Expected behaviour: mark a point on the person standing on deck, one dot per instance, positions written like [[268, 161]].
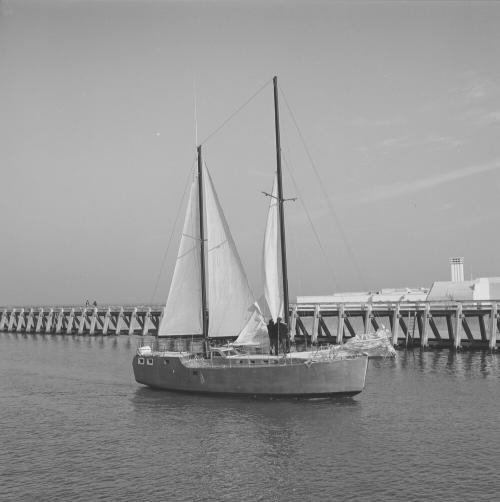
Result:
[[283, 336], [273, 342]]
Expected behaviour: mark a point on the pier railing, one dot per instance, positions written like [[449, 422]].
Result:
[[455, 324]]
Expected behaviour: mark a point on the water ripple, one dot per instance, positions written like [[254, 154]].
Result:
[[75, 426]]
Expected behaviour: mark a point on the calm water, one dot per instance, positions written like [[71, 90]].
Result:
[[76, 426]]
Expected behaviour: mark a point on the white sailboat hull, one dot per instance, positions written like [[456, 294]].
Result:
[[259, 377]]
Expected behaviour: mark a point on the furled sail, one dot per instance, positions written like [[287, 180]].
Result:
[[183, 312], [231, 304], [272, 290]]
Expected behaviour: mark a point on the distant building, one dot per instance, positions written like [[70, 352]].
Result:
[[384, 295], [484, 288]]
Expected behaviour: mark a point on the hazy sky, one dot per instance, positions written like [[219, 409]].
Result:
[[398, 104]]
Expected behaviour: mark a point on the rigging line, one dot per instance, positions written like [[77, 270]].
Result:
[[181, 203], [292, 236], [238, 110], [316, 235], [325, 194], [195, 115]]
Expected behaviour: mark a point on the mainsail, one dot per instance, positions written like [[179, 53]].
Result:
[[183, 312], [231, 305], [272, 291]]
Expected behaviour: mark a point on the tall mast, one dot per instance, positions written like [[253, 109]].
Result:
[[280, 202], [202, 246]]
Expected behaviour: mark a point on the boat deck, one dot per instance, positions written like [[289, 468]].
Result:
[[191, 360]]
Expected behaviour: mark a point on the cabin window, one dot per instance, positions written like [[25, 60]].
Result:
[[140, 360], [150, 361]]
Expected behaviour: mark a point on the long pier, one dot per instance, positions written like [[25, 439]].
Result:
[[82, 320], [454, 324]]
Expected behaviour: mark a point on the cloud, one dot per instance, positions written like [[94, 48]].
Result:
[[366, 122], [402, 188], [405, 142], [476, 91], [446, 141], [477, 87], [485, 118], [394, 143]]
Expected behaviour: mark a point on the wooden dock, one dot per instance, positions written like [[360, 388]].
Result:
[[455, 324]]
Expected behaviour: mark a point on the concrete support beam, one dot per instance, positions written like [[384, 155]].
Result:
[[12, 320], [107, 318], [145, 327], [367, 317], [449, 325], [323, 328], [30, 321], [340, 325], [93, 320], [71, 320], [48, 322], [458, 327], [60, 319], [434, 328], [20, 321], [349, 327], [466, 327], [4, 320], [133, 316], [83, 317], [424, 343], [395, 325], [293, 323], [39, 321], [482, 328], [420, 324], [315, 328], [493, 325], [119, 321], [301, 327]]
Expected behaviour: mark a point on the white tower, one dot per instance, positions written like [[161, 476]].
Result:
[[457, 269]]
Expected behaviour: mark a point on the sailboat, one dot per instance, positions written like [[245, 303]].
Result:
[[210, 300]]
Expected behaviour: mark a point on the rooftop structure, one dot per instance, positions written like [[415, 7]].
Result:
[[457, 269], [384, 295]]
